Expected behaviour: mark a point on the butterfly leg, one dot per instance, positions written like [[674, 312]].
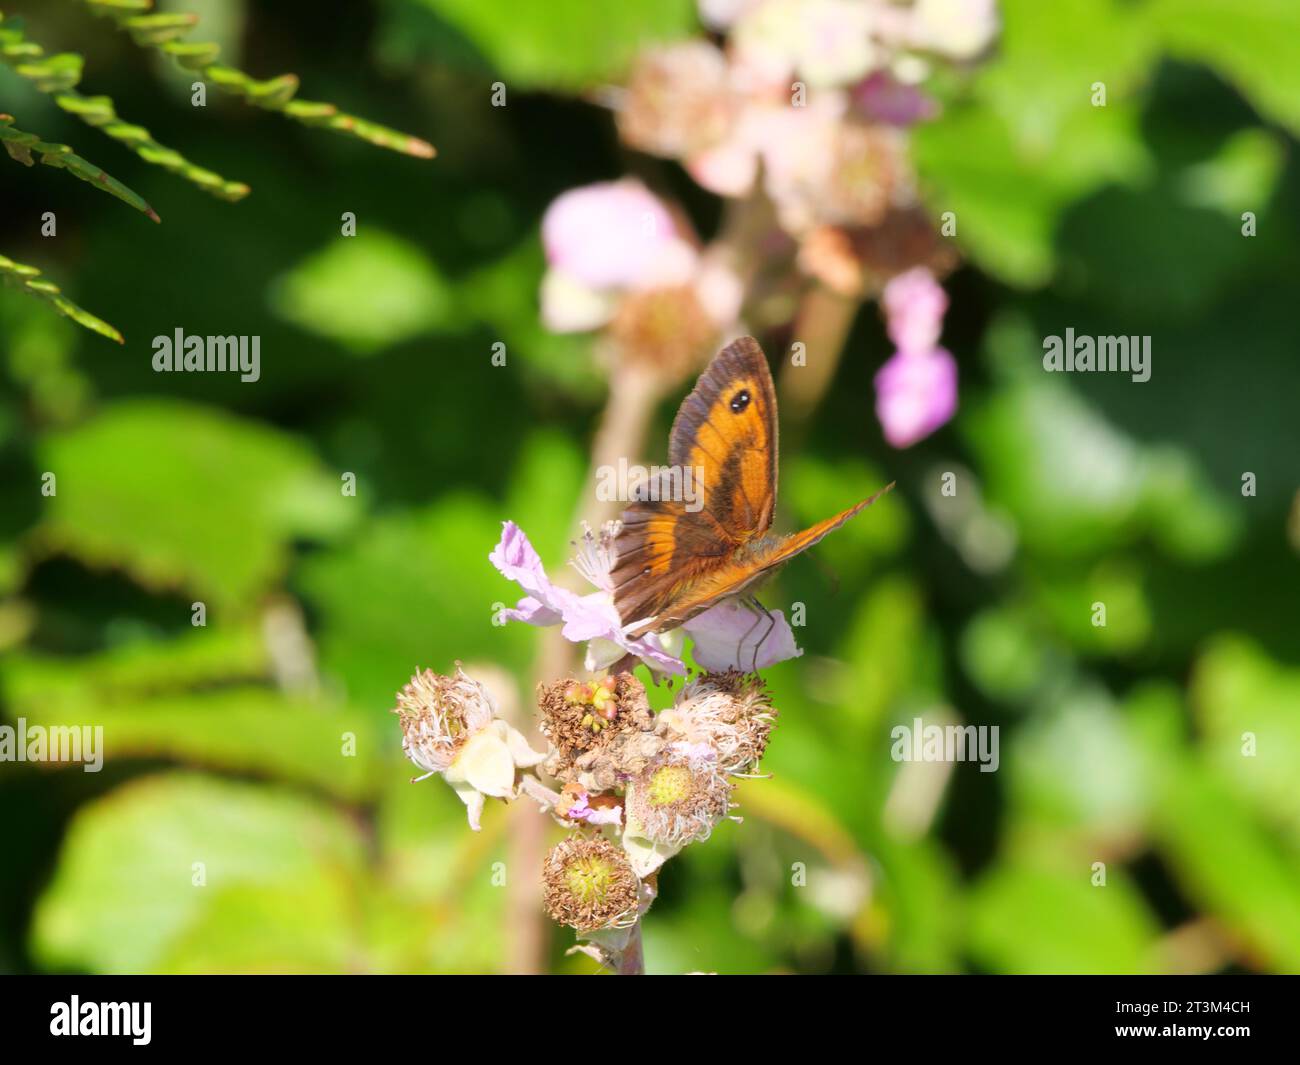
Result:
[[761, 610], [754, 607]]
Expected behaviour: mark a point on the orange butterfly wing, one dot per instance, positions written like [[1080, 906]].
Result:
[[674, 561], [745, 569], [726, 432]]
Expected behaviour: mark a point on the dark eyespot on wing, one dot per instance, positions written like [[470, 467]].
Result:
[[740, 401]]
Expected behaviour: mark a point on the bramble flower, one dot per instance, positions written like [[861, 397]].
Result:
[[593, 751], [728, 713], [589, 619], [823, 42], [676, 800], [615, 235], [592, 618], [450, 727], [577, 716], [960, 29], [916, 388], [588, 884], [603, 242], [669, 329], [678, 99], [618, 257]]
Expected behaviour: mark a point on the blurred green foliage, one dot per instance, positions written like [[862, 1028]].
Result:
[[288, 799]]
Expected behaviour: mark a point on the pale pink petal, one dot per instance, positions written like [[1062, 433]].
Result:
[[728, 635], [588, 619]]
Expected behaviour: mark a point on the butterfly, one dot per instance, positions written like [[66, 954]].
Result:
[[676, 558]]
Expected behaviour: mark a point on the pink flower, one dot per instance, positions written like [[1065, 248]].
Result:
[[589, 619], [615, 234], [603, 241], [914, 304], [916, 389], [916, 392], [725, 636]]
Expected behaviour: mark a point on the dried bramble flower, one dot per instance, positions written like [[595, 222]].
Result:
[[870, 174], [589, 884], [678, 100], [674, 801], [730, 713], [580, 717], [667, 329], [449, 726]]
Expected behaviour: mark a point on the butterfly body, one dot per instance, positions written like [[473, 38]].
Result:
[[674, 559]]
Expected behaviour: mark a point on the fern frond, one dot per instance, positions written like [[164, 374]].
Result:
[[164, 33], [59, 75], [20, 146], [29, 279]]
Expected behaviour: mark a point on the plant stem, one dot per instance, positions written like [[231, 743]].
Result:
[[633, 392]]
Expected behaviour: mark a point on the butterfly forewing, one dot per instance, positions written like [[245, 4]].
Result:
[[724, 439], [678, 556], [734, 576]]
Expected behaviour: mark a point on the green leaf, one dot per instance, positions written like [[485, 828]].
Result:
[[1246, 706], [1230, 866], [1026, 919], [366, 292], [565, 44], [969, 159], [1078, 766], [1076, 483], [240, 728], [1048, 142], [1254, 44], [504, 294], [429, 596], [247, 490], [123, 898]]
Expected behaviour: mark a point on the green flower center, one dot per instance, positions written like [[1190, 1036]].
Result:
[[589, 880], [670, 784]]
